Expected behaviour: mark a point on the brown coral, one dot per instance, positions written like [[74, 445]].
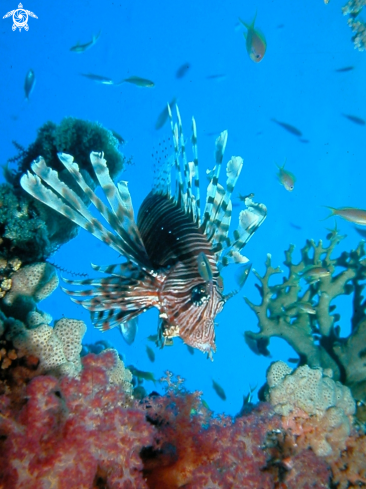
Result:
[[303, 317]]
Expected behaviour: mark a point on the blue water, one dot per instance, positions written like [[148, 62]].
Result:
[[296, 82]]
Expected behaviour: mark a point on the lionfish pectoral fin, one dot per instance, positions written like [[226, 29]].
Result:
[[64, 200]]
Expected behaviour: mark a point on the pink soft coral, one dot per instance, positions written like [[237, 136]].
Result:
[[74, 433]]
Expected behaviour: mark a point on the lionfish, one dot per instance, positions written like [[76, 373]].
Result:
[[173, 253]]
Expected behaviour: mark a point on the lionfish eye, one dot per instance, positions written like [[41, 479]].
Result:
[[199, 295]]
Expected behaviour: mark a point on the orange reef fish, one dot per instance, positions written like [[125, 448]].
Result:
[[255, 42], [314, 274], [167, 250], [286, 178], [351, 214]]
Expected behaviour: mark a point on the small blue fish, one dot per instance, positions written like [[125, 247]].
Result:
[[98, 78], [182, 70], [219, 390], [128, 330], [343, 70], [288, 127], [218, 77], [80, 48], [355, 119], [138, 81], [248, 399], [30, 81], [141, 374], [164, 114], [150, 353], [204, 267], [242, 272]]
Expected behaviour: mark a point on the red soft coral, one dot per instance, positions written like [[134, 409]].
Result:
[[74, 433]]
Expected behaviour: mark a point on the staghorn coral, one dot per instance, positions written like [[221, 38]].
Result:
[[27, 286], [311, 395], [303, 317]]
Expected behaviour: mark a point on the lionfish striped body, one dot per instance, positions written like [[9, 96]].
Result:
[[164, 249]]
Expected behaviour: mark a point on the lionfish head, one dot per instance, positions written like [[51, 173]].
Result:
[[189, 307]]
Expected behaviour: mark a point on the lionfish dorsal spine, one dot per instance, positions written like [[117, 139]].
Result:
[[178, 180], [185, 172], [222, 217], [196, 172], [220, 145]]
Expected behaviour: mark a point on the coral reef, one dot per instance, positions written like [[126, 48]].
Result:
[[73, 432], [30, 230], [353, 8], [23, 233], [312, 395], [26, 287], [72, 136], [304, 318], [58, 348], [317, 413], [87, 431]]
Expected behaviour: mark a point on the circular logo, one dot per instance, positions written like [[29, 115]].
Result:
[[20, 19]]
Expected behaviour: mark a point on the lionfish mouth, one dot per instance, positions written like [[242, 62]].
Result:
[[173, 253]]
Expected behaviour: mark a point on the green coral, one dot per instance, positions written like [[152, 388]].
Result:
[[303, 316]]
